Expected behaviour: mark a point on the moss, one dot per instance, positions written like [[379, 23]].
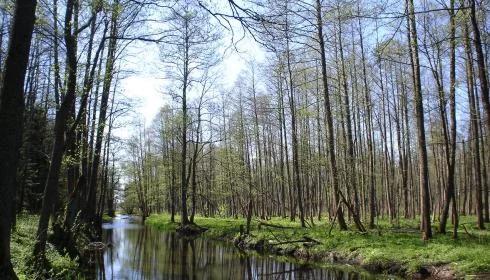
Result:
[[22, 245], [106, 218], [392, 248]]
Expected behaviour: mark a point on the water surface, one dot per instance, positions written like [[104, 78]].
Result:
[[138, 252]]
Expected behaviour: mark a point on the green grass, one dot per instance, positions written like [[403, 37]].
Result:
[[386, 245], [22, 244], [106, 218]]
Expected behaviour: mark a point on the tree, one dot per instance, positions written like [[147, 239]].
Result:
[[419, 116], [62, 115], [485, 95], [106, 88], [11, 121], [331, 146], [451, 147], [189, 52]]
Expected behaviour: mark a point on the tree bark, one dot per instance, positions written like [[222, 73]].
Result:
[[419, 116], [451, 147], [482, 74], [11, 121], [89, 211], [369, 124], [328, 113], [62, 115], [183, 156]]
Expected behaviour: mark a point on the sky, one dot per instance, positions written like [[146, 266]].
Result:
[[144, 81]]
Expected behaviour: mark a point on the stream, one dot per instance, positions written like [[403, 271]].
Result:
[[138, 252]]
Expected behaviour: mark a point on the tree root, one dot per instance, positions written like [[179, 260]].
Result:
[[262, 223], [190, 229], [305, 239]]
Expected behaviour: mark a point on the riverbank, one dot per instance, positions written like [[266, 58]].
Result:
[[388, 249], [22, 246]]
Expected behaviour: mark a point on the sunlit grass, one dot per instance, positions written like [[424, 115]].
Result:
[[22, 245]]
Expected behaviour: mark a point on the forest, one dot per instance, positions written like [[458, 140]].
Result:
[[350, 119]]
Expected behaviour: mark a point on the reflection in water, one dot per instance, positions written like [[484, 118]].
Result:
[[139, 252]]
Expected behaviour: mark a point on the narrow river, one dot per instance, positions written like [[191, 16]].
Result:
[[137, 252]]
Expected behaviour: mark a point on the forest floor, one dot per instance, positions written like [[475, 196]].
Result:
[[392, 249], [22, 246]]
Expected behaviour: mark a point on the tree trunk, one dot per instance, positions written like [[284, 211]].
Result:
[[369, 132], [451, 153], [11, 118], [480, 59], [90, 211], [419, 115], [62, 115], [328, 112], [183, 156]]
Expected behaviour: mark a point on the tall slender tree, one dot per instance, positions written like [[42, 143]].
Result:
[[419, 116]]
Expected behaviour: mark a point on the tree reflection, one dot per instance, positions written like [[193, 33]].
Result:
[[139, 252]]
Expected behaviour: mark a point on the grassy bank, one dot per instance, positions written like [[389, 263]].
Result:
[[393, 249], [22, 245]]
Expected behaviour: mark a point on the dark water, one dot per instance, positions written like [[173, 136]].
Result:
[[141, 252]]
